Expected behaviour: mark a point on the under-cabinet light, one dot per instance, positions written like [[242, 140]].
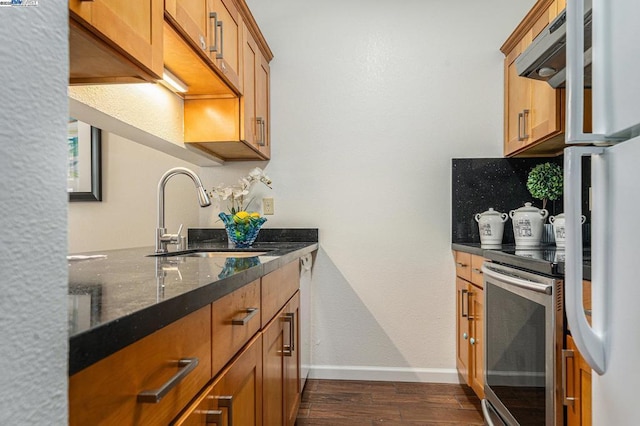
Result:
[[174, 82]]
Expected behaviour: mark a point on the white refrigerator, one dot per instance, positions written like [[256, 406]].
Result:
[[612, 345]]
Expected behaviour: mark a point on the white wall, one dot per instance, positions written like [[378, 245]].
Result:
[[370, 101], [127, 216], [33, 207]]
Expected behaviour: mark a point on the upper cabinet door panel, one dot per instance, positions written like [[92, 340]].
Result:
[[133, 28], [225, 34]]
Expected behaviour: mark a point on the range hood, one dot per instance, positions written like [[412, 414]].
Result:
[[545, 58]]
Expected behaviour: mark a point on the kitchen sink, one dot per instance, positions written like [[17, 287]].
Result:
[[214, 253]]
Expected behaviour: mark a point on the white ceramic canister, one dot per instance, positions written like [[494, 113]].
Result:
[[558, 222], [491, 226], [528, 222]]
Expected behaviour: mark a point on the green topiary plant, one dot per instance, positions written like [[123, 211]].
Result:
[[545, 182]]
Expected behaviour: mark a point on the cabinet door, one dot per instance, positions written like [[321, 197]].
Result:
[[255, 110], [235, 397], [273, 340], [263, 116], [291, 352], [192, 18], [578, 387], [132, 27], [517, 100], [225, 35], [462, 328], [476, 323]]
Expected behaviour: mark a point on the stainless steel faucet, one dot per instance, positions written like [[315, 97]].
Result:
[[162, 238]]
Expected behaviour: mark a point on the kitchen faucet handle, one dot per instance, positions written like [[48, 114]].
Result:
[[181, 240]]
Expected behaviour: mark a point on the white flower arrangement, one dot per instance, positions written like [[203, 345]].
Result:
[[235, 195]]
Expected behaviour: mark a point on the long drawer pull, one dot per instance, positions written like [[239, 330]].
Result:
[[461, 265], [462, 313], [291, 347], [215, 416], [476, 270], [566, 400], [187, 365], [251, 312]]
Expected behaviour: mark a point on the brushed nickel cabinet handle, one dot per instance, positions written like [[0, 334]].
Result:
[[525, 115], [469, 295], [520, 138], [462, 313], [217, 24], [472, 341], [465, 336], [251, 312], [476, 270], [289, 317], [461, 265], [213, 417], [214, 16], [153, 396], [261, 124], [566, 400]]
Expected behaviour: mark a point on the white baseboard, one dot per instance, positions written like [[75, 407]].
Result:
[[387, 374]]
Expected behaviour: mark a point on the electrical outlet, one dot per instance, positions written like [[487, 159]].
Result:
[[267, 206]]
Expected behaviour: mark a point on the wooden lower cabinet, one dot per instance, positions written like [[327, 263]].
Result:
[[281, 366], [470, 321], [578, 387], [107, 393], [235, 396]]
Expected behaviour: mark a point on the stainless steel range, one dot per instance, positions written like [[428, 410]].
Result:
[[523, 347]]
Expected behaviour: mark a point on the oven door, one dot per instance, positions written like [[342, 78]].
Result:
[[523, 340]]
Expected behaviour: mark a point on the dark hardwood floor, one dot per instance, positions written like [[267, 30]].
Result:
[[355, 403]]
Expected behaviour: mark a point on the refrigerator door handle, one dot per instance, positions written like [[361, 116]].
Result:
[[575, 79], [589, 343]]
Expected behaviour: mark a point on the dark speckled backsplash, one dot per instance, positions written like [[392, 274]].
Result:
[[501, 183]]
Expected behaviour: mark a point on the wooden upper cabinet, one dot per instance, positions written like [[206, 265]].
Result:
[[192, 17], [255, 107], [225, 39], [234, 128], [534, 112], [115, 41]]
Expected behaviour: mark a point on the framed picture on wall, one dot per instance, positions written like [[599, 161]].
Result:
[[84, 168]]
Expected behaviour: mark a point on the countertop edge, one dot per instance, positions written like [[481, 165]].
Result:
[[496, 254], [88, 348]]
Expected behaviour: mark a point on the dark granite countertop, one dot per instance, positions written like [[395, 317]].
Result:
[[546, 259], [127, 295]]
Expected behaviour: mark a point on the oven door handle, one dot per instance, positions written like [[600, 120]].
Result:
[[487, 410], [519, 282]]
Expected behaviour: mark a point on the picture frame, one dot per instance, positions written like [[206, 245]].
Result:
[[84, 168]]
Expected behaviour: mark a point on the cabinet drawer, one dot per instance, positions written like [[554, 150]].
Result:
[[235, 397], [235, 319], [107, 392], [277, 288], [463, 265], [476, 270]]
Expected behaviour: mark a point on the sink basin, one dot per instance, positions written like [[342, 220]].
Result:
[[224, 254], [214, 253]]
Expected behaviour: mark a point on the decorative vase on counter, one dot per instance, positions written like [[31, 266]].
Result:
[[528, 222], [242, 232], [558, 222], [491, 226]]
